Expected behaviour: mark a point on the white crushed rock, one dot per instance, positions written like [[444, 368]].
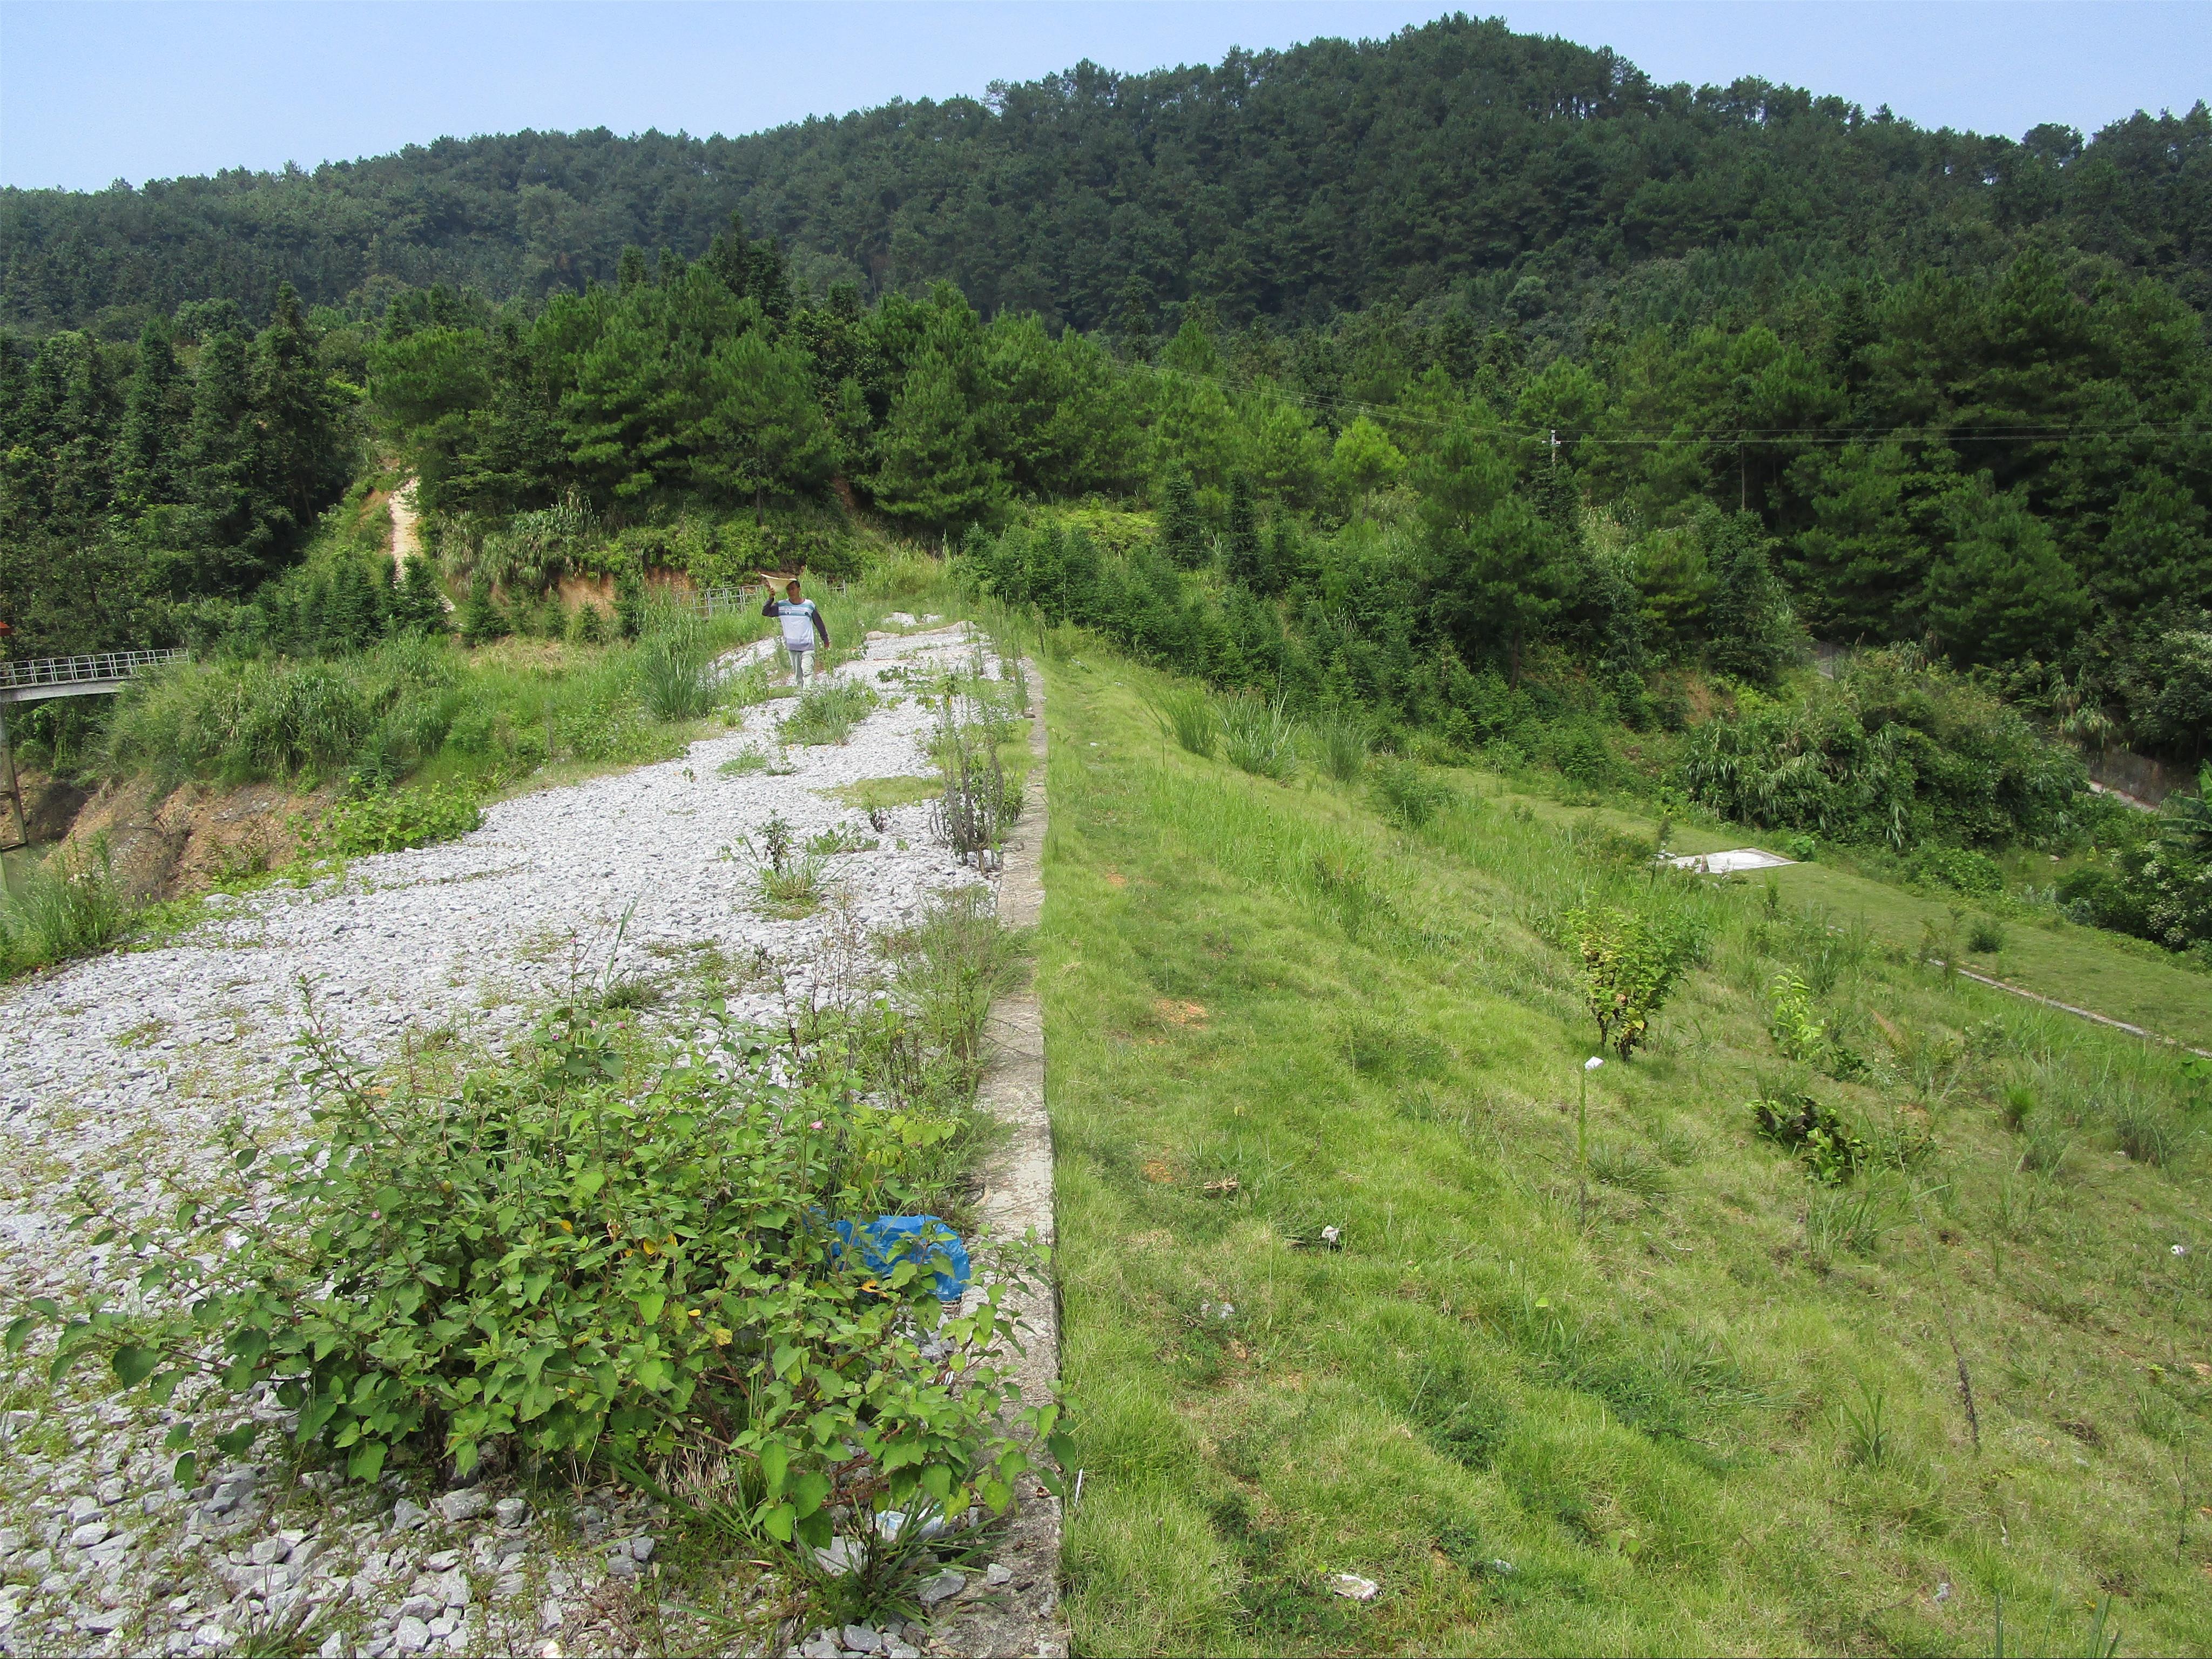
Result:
[[123, 1067]]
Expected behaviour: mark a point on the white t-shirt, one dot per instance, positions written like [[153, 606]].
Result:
[[798, 623]]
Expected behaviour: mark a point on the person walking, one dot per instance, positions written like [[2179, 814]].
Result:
[[802, 625]]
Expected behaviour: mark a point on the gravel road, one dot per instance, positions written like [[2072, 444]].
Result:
[[125, 1066]]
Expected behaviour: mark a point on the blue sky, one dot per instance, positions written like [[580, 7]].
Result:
[[92, 92]]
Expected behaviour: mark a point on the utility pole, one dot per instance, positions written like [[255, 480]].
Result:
[[1555, 449], [15, 788]]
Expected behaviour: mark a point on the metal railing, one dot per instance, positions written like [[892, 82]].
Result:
[[708, 602], [73, 671]]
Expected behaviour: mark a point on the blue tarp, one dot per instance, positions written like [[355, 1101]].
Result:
[[890, 1239]]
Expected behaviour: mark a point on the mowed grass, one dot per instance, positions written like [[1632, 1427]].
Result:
[[1718, 1409]]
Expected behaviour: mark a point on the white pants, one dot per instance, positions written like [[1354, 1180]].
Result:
[[799, 654]]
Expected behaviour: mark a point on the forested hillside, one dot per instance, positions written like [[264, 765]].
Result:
[[1909, 396], [1528, 177]]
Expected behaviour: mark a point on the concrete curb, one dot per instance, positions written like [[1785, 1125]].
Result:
[[1023, 1618]]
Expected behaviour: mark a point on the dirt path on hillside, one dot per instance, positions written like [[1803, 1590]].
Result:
[[404, 545]]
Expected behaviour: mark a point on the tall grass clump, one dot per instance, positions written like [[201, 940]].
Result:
[[950, 967], [1340, 745], [419, 708], [676, 679], [68, 905], [1187, 715], [241, 721], [1258, 737]]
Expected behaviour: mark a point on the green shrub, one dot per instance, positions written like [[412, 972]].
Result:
[[607, 1247], [1985, 934], [391, 821], [1959, 869], [1815, 1133], [2160, 887], [1258, 737], [1629, 964], [1892, 751], [1797, 1032], [1407, 793]]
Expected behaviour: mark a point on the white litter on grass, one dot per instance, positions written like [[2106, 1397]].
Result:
[[1727, 863], [1352, 1585]]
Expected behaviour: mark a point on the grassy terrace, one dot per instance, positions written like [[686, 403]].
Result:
[[1714, 1407]]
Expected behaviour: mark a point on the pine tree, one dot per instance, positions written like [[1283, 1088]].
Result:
[[630, 604], [1617, 608], [1245, 554], [482, 620], [1183, 538], [155, 408], [1283, 565], [934, 472], [588, 624], [344, 625], [418, 607], [222, 465], [301, 467], [310, 619], [1559, 500], [1754, 630], [764, 428]]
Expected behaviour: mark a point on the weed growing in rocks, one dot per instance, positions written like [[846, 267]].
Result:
[[392, 820], [611, 1246], [979, 801], [787, 880], [827, 713]]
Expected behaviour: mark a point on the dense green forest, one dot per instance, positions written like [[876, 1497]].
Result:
[[1523, 177], [1904, 397]]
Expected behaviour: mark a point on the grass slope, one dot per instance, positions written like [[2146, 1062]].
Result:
[[1720, 1413], [2125, 978]]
